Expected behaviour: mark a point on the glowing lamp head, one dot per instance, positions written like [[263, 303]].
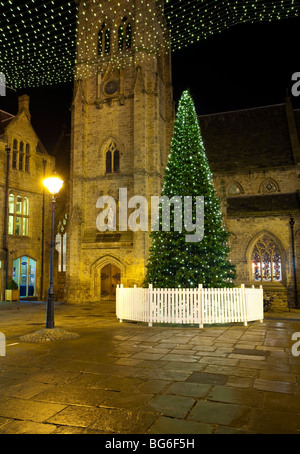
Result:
[[53, 184]]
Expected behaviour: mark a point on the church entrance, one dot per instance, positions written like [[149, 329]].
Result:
[[110, 278]]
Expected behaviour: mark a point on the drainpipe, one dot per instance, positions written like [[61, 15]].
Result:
[[292, 223], [6, 216]]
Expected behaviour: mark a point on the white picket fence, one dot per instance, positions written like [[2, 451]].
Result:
[[196, 306]]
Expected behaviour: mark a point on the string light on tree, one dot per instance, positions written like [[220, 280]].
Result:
[[174, 262]]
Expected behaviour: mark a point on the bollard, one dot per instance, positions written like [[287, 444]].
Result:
[[2, 345]]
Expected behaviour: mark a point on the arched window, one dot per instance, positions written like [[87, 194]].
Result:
[[266, 261], [125, 35], [269, 185], [104, 40], [112, 158], [235, 189]]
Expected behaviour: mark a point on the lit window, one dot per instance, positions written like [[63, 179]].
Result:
[[18, 215], [266, 261]]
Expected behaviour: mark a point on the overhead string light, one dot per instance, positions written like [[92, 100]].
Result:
[[38, 38]]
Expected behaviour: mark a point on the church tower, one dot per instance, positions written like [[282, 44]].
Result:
[[122, 123]]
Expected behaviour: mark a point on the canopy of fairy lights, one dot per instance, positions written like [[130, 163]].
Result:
[[38, 38]]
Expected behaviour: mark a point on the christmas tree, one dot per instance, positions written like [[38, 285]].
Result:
[[173, 261]]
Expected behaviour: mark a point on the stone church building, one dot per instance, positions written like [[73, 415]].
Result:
[[122, 120]]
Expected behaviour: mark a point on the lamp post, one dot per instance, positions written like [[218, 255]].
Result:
[[54, 185]]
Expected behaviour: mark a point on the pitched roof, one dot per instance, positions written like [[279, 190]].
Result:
[[253, 138], [5, 119]]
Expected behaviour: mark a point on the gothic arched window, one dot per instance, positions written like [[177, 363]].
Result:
[[266, 261], [112, 158], [125, 35], [104, 40], [235, 189]]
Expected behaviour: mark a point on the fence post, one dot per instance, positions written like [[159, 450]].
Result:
[[261, 288], [120, 305], [244, 304], [150, 304], [2, 345], [200, 299]]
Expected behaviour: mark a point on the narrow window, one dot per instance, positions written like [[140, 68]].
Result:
[[108, 162], [104, 40], [21, 156], [11, 212], [15, 154], [27, 157], [124, 35], [116, 161]]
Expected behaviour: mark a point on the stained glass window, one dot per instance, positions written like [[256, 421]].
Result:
[[266, 261]]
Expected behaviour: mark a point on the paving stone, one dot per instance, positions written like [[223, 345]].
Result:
[[29, 410], [128, 400], [27, 428], [207, 378], [220, 413], [248, 397], [196, 390], [169, 405], [165, 425], [282, 402], [273, 385], [274, 422]]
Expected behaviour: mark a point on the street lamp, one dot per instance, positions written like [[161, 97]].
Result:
[[54, 185]]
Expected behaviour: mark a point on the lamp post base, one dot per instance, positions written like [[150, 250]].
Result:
[[49, 335]]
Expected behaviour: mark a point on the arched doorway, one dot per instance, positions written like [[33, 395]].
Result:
[[24, 274], [110, 278]]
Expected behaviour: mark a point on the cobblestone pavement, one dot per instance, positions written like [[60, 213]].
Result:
[[131, 379]]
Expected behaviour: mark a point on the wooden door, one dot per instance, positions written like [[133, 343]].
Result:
[[110, 278]]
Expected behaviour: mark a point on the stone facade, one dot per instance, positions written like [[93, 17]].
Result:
[[122, 116], [254, 156], [23, 164], [122, 121]]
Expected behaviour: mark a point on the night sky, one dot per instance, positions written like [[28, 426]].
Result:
[[248, 65]]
